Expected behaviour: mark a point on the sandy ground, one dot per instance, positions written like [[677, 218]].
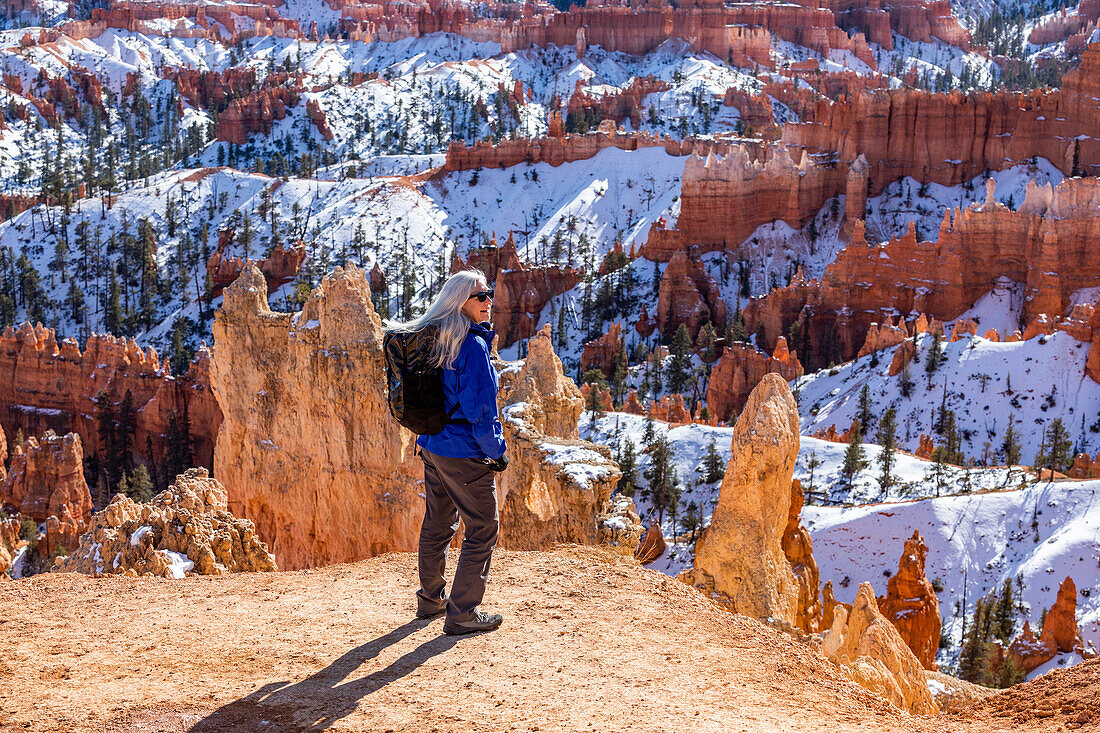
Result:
[[589, 643]]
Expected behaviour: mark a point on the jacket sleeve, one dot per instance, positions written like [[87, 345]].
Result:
[[477, 395]]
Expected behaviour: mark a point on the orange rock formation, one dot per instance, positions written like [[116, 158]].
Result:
[[687, 295], [184, 530], [1045, 244], [740, 560], [798, 548], [911, 603], [740, 369], [869, 649], [46, 484]]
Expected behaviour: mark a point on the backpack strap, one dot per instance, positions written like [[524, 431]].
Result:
[[456, 421]]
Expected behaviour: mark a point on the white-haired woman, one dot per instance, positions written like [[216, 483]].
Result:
[[460, 460]]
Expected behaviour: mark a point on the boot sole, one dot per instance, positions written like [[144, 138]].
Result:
[[462, 630]]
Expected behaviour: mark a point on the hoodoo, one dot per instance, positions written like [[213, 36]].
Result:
[[739, 560]]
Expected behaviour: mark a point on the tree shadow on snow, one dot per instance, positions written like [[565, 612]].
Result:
[[320, 700]]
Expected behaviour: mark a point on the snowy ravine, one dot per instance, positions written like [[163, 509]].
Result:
[[1040, 533]]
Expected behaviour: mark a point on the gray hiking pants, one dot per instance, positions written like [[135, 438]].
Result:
[[453, 488]]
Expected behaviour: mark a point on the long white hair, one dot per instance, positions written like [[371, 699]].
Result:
[[445, 313]]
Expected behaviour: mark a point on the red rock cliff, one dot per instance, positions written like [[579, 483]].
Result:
[[46, 385]]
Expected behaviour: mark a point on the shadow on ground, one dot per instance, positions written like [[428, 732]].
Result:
[[321, 699]]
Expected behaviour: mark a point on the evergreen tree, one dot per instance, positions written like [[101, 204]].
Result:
[[812, 464], [628, 464], [1060, 447], [972, 656], [137, 485], [887, 438], [937, 472], [714, 468], [124, 434], [596, 382], [864, 415], [935, 355], [680, 363], [1010, 446], [663, 490], [1003, 622], [106, 428], [854, 458]]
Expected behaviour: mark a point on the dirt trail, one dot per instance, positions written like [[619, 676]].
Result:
[[587, 644]]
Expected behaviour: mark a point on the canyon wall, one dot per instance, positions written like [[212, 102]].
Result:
[[47, 385], [308, 450], [1048, 244]]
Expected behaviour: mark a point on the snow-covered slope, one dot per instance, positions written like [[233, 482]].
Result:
[[986, 383], [1037, 536], [1000, 524]]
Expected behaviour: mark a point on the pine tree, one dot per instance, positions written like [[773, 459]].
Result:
[[596, 384], [1010, 446], [680, 362], [887, 439], [854, 458], [1060, 452], [935, 355], [937, 472], [812, 464], [663, 490], [864, 415], [972, 656], [138, 485], [106, 429], [1003, 622], [714, 468], [127, 422], [628, 464]]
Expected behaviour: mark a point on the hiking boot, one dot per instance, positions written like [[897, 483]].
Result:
[[480, 622]]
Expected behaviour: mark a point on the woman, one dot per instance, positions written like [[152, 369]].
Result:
[[460, 460]]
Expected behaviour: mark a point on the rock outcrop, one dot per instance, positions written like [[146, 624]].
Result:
[[522, 291], [652, 546], [911, 604], [1059, 632], [867, 647], [184, 530], [687, 295], [307, 447], [740, 369], [1060, 625], [739, 560], [603, 352], [799, 550], [557, 487], [46, 484], [1044, 244], [310, 453]]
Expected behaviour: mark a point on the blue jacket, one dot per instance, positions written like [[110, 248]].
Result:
[[472, 385]]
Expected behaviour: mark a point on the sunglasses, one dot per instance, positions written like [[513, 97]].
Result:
[[483, 296]]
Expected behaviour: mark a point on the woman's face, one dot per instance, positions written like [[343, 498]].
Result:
[[475, 310]]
